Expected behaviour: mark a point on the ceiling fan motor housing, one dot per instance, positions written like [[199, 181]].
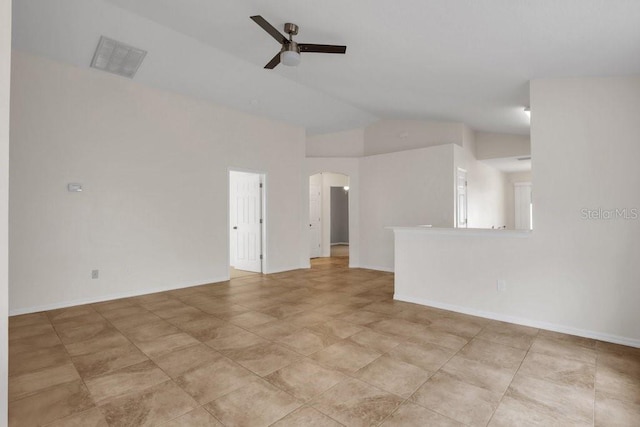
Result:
[[291, 29]]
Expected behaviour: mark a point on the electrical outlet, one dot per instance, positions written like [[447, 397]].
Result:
[[95, 274], [501, 285]]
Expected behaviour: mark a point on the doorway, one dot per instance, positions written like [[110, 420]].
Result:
[[340, 221], [315, 216], [329, 215], [246, 224]]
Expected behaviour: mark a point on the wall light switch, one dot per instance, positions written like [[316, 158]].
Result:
[[501, 285], [74, 187]]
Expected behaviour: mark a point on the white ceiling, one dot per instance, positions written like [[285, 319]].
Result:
[[458, 60]]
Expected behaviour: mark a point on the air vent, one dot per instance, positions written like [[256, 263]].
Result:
[[117, 58]]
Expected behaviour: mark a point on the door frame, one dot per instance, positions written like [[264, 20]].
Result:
[[466, 198], [263, 229], [319, 249]]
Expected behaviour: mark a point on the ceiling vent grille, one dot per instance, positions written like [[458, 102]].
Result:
[[117, 58]]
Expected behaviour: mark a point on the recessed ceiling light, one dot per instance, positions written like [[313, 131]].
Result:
[[117, 58]]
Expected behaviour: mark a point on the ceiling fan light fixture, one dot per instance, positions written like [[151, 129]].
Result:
[[290, 58], [290, 52]]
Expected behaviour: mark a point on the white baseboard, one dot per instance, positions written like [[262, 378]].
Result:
[[378, 268], [109, 297], [616, 339]]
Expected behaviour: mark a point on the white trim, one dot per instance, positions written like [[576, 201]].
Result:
[[462, 232], [616, 339], [378, 268], [82, 301]]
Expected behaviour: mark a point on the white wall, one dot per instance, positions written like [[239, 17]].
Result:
[[405, 188], [573, 275], [388, 136], [485, 191], [500, 145], [154, 166], [396, 136], [349, 143], [5, 83], [469, 140], [351, 168], [509, 196]]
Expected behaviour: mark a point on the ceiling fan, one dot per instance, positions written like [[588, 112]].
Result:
[[290, 52]]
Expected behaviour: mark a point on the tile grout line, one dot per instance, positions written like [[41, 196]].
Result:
[[438, 370], [258, 377], [74, 366], [405, 341], [178, 349], [138, 305], [149, 359], [332, 317], [512, 378]]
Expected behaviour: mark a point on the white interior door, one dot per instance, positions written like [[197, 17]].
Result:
[[523, 206], [315, 209], [246, 221], [461, 198]]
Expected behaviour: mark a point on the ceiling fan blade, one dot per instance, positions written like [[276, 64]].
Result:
[[280, 38], [275, 61], [321, 48]]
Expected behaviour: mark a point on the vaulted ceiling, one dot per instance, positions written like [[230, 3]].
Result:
[[458, 60]]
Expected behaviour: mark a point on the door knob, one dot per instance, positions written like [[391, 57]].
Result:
[[235, 227]]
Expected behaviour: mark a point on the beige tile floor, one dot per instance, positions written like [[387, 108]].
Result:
[[236, 274], [320, 347]]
